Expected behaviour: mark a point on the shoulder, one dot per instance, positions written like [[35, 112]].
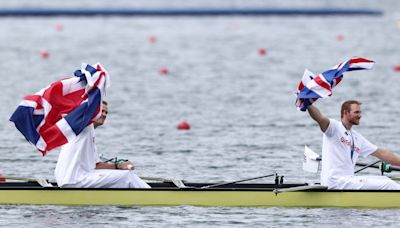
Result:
[[332, 127], [358, 134], [89, 129], [87, 133], [333, 121], [355, 132]]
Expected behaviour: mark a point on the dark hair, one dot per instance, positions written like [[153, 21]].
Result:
[[346, 106], [105, 102]]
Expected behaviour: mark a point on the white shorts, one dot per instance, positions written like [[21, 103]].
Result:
[[108, 178], [365, 183]]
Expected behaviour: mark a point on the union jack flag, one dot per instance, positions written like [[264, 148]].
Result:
[[58, 113], [312, 86]]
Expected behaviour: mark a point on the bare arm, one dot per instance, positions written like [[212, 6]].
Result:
[[387, 156], [108, 165], [316, 115]]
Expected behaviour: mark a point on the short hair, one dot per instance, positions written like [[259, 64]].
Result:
[[105, 102], [346, 106]]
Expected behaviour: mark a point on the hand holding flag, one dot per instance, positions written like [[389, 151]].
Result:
[[312, 86]]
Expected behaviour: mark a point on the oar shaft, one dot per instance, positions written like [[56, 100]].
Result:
[[367, 166], [393, 168], [238, 181]]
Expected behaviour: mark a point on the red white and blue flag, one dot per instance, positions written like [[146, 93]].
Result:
[[312, 86], [58, 113]]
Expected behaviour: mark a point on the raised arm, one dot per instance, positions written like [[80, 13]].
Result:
[[387, 156], [316, 115]]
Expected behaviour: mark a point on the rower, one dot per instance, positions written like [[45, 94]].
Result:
[[341, 147], [79, 165]]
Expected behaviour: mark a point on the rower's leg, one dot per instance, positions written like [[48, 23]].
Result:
[[104, 178], [371, 183]]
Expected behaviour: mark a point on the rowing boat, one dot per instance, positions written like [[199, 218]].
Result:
[[200, 194]]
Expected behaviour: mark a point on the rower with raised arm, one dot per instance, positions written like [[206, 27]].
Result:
[[342, 145]]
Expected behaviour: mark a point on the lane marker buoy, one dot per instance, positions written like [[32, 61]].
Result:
[[44, 54], [183, 126]]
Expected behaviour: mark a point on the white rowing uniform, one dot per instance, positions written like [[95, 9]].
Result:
[[76, 166], [340, 150]]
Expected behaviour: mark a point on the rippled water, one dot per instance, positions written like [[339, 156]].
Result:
[[187, 216], [240, 104]]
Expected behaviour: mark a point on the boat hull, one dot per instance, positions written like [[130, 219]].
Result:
[[239, 197]]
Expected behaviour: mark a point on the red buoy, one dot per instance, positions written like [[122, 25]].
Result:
[[339, 37], [152, 39], [163, 70], [396, 68], [183, 126], [262, 51], [2, 179], [44, 54], [59, 27]]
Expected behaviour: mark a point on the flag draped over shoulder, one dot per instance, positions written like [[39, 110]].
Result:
[[58, 113], [312, 86]]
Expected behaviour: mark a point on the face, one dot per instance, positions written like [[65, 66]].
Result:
[[100, 121], [354, 115]]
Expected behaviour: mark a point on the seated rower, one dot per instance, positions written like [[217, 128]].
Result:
[[341, 147], [79, 165]]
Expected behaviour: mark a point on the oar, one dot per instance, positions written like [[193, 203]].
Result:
[[41, 182], [238, 181], [366, 166], [393, 168]]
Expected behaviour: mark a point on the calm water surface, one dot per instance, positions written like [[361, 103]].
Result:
[[240, 104]]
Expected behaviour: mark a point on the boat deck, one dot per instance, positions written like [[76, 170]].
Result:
[[156, 186]]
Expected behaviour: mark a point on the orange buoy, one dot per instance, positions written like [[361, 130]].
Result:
[[396, 68], [262, 51], [152, 39], [163, 70], [44, 54], [339, 37], [183, 126]]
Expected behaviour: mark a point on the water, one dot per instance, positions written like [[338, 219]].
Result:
[[188, 216], [240, 104]]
